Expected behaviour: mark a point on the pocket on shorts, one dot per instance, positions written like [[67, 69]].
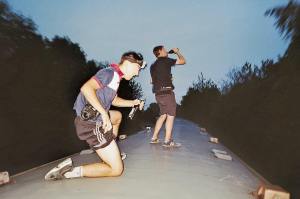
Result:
[[84, 129]]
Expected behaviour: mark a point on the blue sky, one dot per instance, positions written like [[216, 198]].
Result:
[[213, 35]]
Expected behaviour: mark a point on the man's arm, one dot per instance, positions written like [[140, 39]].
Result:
[[181, 59], [120, 102], [89, 92]]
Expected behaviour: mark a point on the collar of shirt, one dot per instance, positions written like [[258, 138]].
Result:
[[117, 69]]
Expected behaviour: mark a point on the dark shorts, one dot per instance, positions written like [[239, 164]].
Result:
[[93, 134], [167, 103]]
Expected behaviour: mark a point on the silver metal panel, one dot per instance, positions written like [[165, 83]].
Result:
[[151, 171]]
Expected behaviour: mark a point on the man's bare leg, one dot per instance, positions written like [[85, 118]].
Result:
[[160, 121], [112, 166], [115, 118], [169, 127]]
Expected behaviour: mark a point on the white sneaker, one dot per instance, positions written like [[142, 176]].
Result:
[[171, 143], [154, 141], [123, 155], [57, 173], [87, 152]]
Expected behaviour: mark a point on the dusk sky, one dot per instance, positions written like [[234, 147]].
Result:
[[213, 35]]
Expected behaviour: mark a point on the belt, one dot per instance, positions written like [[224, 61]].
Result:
[[164, 90]]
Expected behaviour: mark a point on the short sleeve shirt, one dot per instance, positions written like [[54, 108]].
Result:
[[109, 81], [161, 73]]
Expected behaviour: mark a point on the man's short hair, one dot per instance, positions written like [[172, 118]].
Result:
[[133, 57], [156, 50]]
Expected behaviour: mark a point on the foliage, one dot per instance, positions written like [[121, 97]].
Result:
[[39, 80], [256, 112]]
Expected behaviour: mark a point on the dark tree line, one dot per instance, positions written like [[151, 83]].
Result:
[[39, 81], [256, 112]]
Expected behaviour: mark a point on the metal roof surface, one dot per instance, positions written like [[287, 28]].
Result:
[[151, 171]]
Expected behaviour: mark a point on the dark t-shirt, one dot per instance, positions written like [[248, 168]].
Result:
[[161, 73]]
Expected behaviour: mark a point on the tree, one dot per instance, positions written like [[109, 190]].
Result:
[[288, 23], [39, 81], [287, 19]]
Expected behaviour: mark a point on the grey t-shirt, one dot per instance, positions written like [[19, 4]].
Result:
[[108, 80]]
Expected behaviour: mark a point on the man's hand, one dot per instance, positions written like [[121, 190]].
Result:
[[176, 50], [106, 125], [181, 59], [141, 103]]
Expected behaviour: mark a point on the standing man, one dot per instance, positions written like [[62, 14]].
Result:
[[96, 124], [163, 88]]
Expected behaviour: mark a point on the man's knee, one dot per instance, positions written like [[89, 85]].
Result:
[[118, 116], [170, 116], [117, 170], [163, 116]]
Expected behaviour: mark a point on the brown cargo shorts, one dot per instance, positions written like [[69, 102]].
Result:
[[93, 133], [167, 103]]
